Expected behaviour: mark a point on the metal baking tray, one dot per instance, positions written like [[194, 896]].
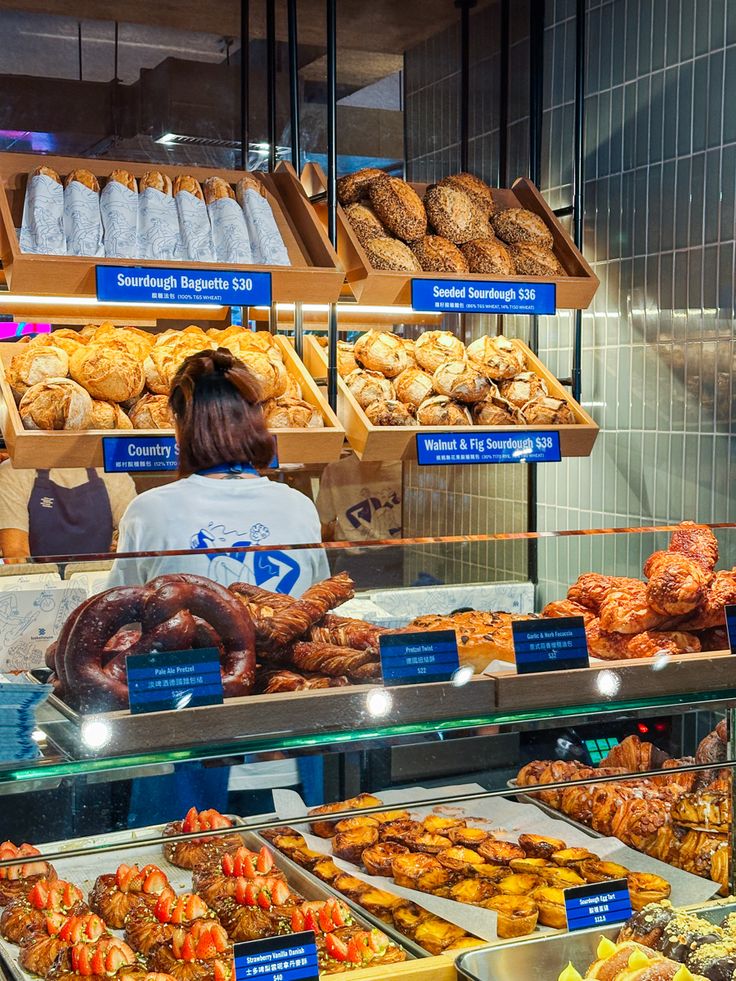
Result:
[[545, 957], [412, 948], [526, 797]]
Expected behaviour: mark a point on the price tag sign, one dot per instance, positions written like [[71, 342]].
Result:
[[478, 296], [597, 904], [428, 655], [550, 644], [165, 680], [289, 958], [139, 454], [446, 448], [221, 287], [731, 627]]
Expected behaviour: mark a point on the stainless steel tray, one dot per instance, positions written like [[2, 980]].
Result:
[[544, 957], [527, 797]]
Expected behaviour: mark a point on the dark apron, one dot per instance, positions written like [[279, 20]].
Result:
[[69, 520]]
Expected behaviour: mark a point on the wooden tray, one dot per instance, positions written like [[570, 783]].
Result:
[[398, 443], [43, 450], [315, 275], [375, 286]]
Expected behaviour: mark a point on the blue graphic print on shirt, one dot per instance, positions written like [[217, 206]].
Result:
[[364, 511], [274, 570]]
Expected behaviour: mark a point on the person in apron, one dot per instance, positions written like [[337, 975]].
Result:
[[69, 520]]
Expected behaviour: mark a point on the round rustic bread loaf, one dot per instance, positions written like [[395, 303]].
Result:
[[434, 347], [454, 216], [34, 363], [413, 386], [369, 386], [353, 187], [548, 411], [495, 411], [289, 413], [57, 403], [535, 260], [152, 412], [108, 415], [272, 376], [524, 388], [489, 256], [399, 207], [109, 373], [498, 356], [364, 221], [477, 190], [520, 225], [389, 412], [443, 411], [391, 254], [461, 380], [345, 359], [437, 254], [378, 350], [67, 340]]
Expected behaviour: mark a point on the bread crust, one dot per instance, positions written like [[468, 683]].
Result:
[[477, 190], [399, 208], [125, 178], [531, 259], [157, 180], [82, 176], [438, 254], [516, 225], [488, 256]]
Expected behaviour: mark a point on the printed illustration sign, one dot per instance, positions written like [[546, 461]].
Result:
[[731, 627], [488, 447], [473, 296], [139, 454], [429, 655], [130, 284], [166, 680], [289, 958], [550, 644], [597, 904]]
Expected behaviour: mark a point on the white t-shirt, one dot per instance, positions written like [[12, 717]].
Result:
[[203, 512]]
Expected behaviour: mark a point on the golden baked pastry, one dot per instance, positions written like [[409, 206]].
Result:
[[390, 254], [216, 188], [85, 177], [364, 221], [420, 871], [46, 172], [345, 359], [350, 885], [459, 859], [523, 388], [443, 411], [350, 844], [571, 856], [495, 411], [400, 830], [436, 935], [500, 357], [519, 884], [625, 609], [697, 542], [123, 177], [521, 225], [399, 207], [516, 916], [437, 824], [532, 866], [535, 260], [410, 352], [326, 870], [350, 824], [488, 256], [496, 852], [435, 347], [35, 363], [355, 186], [454, 216], [152, 412], [269, 372], [369, 386], [380, 903], [156, 180], [467, 837], [540, 846], [408, 917], [429, 843], [548, 411], [461, 380], [326, 828], [57, 403], [285, 412], [108, 415], [111, 374], [566, 608], [494, 873], [645, 888], [705, 810], [413, 386], [378, 858], [550, 902], [135, 342], [677, 584], [67, 340], [438, 254], [477, 190], [389, 412], [186, 183], [560, 877], [248, 182], [379, 350], [596, 870], [472, 891]]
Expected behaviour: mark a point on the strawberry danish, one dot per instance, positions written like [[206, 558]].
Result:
[[194, 851], [115, 896], [146, 927], [258, 908], [202, 953], [38, 953], [17, 880], [215, 879], [27, 914], [99, 961]]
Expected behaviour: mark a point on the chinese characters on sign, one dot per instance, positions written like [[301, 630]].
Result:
[[164, 680], [477, 296], [128, 284], [550, 644], [426, 656], [597, 904], [288, 958], [511, 447]]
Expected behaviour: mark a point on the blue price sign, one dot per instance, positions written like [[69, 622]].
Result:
[[139, 454], [423, 656], [225, 287], [164, 680], [289, 958], [488, 447], [476, 296], [597, 904], [731, 627], [550, 644]]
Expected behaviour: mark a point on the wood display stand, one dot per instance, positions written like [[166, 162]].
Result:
[[46, 449], [398, 443], [315, 275], [379, 287]]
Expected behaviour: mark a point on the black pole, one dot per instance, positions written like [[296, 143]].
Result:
[[503, 119], [465, 7], [296, 156], [271, 76], [578, 179], [244, 80], [79, 48], [332, 188]]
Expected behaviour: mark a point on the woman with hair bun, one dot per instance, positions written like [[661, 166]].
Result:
[[220, 500]]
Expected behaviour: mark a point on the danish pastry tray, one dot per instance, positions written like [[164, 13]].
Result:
[[368, 285], [314, 276], [398, 442], [45, 449]]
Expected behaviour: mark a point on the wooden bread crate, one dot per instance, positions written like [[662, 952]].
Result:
[[398, 442], [315, 275], [380, 287], [46, 449]]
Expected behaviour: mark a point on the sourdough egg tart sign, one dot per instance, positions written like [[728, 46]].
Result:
[[597, 904], [473, 296], [225, 287]]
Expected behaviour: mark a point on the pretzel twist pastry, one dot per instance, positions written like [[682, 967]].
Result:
[[177, 612], [329, 659], [346, 632]]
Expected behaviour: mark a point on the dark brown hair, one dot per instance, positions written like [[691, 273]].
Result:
[[215, 401]]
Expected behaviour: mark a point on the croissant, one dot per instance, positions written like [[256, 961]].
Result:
[[697, 542], [635, 756], [329, 659], [590, 590], [606, 646], [625, 609], [677, 584], [568, 608], [649, 643], [608, 800], [638, 820], [720, 593]]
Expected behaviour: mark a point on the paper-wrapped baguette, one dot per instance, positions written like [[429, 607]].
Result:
[[194, 220], [119, 212]]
